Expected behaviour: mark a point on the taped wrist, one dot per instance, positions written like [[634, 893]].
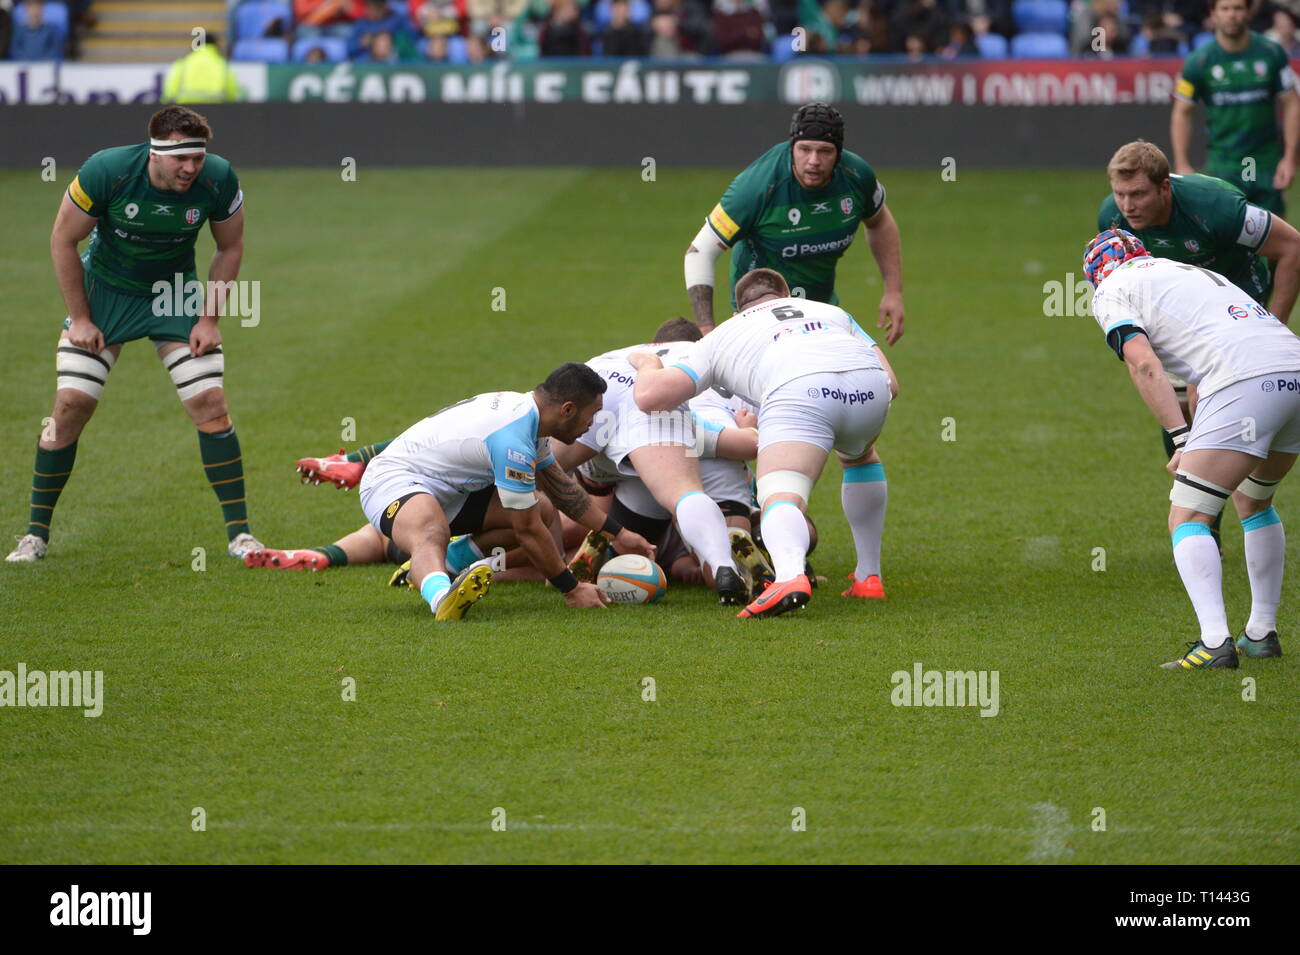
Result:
[[1178, 436]]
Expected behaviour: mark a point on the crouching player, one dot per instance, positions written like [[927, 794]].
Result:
[[1161, 315], [476, 466], [820, 383]]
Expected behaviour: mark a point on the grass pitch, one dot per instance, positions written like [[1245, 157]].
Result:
[[223, 687]]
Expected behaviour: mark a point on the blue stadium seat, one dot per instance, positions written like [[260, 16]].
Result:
[[1041, 16], [1139, 45], [56, 15], [1039, 46], [1202, 38], [335, 47], [261, 50], [457, 49], [992, 46], [638, 12], [253, 17], [783, 48]]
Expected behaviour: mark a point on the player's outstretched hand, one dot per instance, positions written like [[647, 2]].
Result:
[[85, 334], [746, 418], [630, 542], [1172, 466], [586, 595], [204, 336], [891, 316]]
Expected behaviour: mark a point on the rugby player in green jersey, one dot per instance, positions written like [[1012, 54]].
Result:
[[1240, 76], [796, 210], [142, 207]]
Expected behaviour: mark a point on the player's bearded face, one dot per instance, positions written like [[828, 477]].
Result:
[[1141, 201], [814, 162], [178, 172], [1230, 16], [577, 425]]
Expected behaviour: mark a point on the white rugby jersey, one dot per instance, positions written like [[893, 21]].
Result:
[[777, 341], [1203, 328], [619, 378], [473, 444]]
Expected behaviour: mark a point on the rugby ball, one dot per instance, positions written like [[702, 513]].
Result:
[[630, 579]]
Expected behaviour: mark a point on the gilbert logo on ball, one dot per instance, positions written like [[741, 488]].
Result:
[[629, 579]]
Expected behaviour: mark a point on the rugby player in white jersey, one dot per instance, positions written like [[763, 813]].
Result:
[[477, 466], [1161, 315], [726, 437], [661, 450], [820, 384]]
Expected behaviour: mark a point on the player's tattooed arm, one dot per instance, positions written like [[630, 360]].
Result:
[[702, 304], [568, 496]]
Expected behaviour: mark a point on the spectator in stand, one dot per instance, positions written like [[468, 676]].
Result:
[[623, 37], [738, 29], [33, 38], [693, 27], [961, 42], [6, 26], [562, 32], [1088, 17], [380, 48], [380, 18], [842, 23], [861, 45], [436, 50], [1112, 39], [665, 39], [1161, 36], [477, 48], [315, 55], [1283, 31], [438, 17], [486, 15], [925, 20], [784, 15], [873, 24], [326, 17]]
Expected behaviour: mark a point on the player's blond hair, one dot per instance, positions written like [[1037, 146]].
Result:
[[1139, 158], [754, 285]]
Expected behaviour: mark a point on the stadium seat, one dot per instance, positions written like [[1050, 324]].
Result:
[[1202, 38], [992, 46], [457, 49], [335, 47], [1039, 46], [254, 17], [638, 12], [1041, 16], [261, 50], [56, 15], [783, 49], [1139, 45]]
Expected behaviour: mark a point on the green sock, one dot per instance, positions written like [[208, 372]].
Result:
[[49, 475], [363, 455], [224, 466], [337, 555]]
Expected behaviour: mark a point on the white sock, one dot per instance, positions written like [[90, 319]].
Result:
[[434, 587], [704, 530], [1197, 557], [1265, 552], [785, 533], [863, 495]]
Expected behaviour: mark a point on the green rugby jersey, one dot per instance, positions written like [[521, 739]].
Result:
[[1211, 225], [145, 234], [770, 221], [1239, 91]]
